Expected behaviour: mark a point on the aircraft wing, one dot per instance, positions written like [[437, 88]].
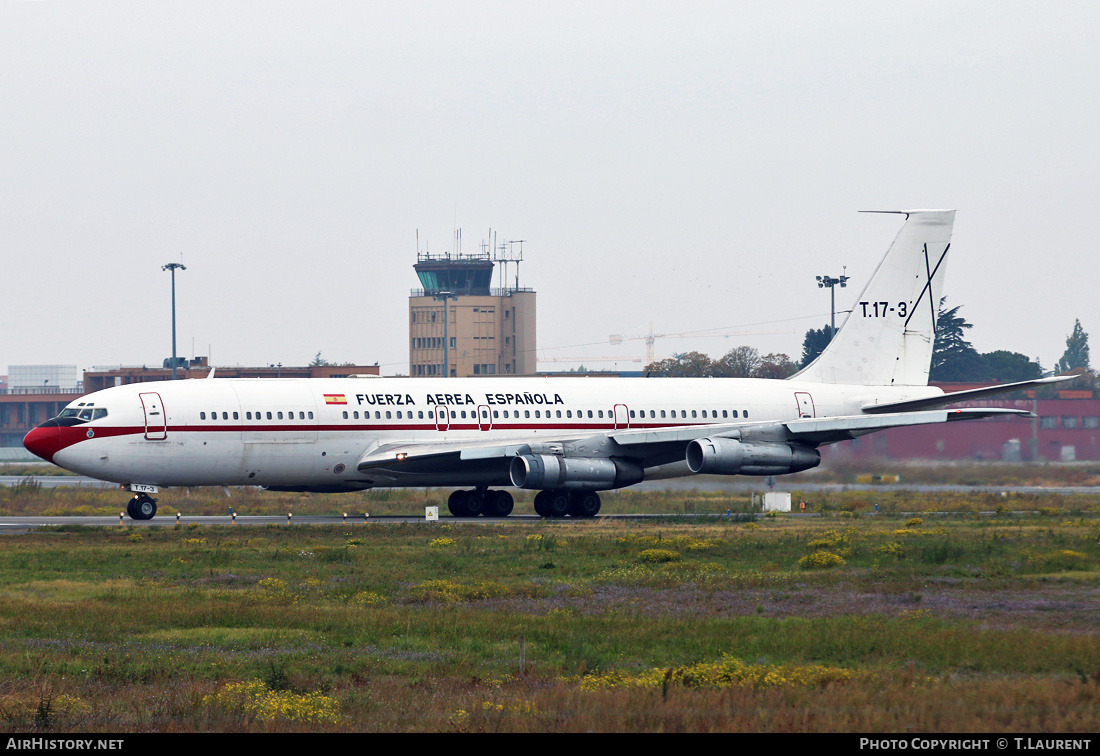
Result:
[[647, 446]]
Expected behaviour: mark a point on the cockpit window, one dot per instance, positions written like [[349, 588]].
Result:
[[82, 413]]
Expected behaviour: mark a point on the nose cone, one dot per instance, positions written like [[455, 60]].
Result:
[[44, 441]]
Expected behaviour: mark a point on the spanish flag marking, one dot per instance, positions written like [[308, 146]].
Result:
[[335, 399]]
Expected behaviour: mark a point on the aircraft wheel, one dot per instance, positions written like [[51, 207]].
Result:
[[498, 503], [131, 508], [456, 504], [542, 502], [584, 504], [145, 507], [475, 503], [558, 503]]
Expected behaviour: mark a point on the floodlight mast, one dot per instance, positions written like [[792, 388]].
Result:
[[827, 282], [172, 268]]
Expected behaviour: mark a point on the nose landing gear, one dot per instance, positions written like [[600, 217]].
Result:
[[142, 507]]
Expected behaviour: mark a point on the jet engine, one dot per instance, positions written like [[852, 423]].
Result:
[[728, 456], [544, 471]]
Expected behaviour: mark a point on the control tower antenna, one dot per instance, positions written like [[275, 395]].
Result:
[[507, 253]]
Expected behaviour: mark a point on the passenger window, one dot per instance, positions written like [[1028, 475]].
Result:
[[355, 415], [662, 413], [302, 416], [202, 416], [569, 413], [527, 413], [248, 416], [388, 415], [599, 413], [281, 415], [683, 413], [693, 413], [496, 413], [225, 416], [704, 413], [537, 415], [653, 413], [735, 414], [632, 413], [420, 415], [345, 414], [744, 413], [724, 414], [236, 416], [377, 415], [558, 413], [398, 414], [269, 415], [590, 413], [310, 415], [453, 415]]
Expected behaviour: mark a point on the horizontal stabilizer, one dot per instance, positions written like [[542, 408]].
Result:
[[961, 396]]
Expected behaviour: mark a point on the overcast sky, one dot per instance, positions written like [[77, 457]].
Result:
[[693, 164]]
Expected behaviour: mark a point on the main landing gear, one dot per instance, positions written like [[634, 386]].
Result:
[[142, 507], [556, 503], [480, 502], [559, 503]]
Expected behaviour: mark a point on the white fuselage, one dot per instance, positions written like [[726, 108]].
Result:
[[313, 432]]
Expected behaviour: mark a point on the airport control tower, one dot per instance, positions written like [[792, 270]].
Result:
[[488, 331]]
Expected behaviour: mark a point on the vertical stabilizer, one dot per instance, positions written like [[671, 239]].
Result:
[[887, 339]]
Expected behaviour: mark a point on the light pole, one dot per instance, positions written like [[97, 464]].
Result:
[[825, 282], [172, 268], [445, 295]]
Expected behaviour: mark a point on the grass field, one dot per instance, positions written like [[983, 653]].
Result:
[[849, 621]]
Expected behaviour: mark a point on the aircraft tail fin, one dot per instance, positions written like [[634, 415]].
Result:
[[888, 337]]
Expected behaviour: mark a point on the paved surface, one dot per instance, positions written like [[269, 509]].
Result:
[[10, 524], [736, 484]]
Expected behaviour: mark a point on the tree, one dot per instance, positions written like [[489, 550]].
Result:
[[953, 357], [318, 361], [1009, 367], [775, 366], [739, 362], [1077, 350], [686, 365], [814, 344]]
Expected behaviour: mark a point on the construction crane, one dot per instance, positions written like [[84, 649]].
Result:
[[652, 337], [590, 359]]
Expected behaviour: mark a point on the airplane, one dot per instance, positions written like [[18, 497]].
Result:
[[566, 439]]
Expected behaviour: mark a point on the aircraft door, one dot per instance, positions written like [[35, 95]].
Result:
[[442, 418], [622, 416], [484, 417], [805, 404], [156, 423]]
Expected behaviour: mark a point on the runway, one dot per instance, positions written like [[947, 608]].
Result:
[[701, 484], [23, 524]]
